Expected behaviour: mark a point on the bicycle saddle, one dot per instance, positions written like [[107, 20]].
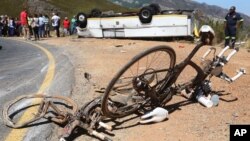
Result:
[[157, 115]]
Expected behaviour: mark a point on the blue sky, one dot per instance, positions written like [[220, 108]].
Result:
[[242, 6]]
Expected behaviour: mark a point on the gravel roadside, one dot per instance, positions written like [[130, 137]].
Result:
[[102, 58]]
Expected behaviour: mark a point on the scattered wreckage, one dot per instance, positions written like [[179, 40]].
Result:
[[147, 88]]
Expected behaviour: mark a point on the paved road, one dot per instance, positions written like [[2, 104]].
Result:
[[23, 68]]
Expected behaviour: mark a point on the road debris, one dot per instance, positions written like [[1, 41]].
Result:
[[123, 51], [118, 45], [87, 76], [88, 117]]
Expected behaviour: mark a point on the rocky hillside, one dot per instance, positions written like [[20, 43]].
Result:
[[211, 11], [64, 7]]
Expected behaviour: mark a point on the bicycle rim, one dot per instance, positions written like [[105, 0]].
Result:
[[121, 98]]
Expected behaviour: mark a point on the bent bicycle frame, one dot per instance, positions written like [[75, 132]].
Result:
[[174, 73]]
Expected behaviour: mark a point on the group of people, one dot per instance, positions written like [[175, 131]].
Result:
[[37, 26], [9, 26]]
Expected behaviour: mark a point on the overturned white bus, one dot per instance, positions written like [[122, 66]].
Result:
[[150, 22]]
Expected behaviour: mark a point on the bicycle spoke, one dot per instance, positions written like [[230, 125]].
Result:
[[151, 68]]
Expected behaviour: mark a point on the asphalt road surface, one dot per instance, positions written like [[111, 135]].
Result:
[[23, 68]]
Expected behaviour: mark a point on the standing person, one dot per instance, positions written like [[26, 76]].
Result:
[[24, 24], [11, 27], [46, 26], [56, 23], [66, 26], [30, 19], [73, 25], [1, 26], [233, 21], [35, 26], [5, 26], [18, 25], [41, 26]]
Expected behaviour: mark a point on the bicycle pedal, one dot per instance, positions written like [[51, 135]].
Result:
[[243, 70]]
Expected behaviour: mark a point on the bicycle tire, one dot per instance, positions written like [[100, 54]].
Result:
[[105, 100], [38, 99]]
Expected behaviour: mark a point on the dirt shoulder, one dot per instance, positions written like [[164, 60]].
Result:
[[102, 58]]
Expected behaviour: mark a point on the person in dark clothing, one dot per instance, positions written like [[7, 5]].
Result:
[[5, 26], [233, 21], [1, 26], [18, 27]]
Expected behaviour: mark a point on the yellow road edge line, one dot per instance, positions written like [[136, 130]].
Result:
[[19, 134]]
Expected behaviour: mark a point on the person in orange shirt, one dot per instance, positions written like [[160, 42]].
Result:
[[66, 26], [24, 24]]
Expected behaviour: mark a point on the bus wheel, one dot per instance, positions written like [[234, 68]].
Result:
[[81, 19], [146, 14], [156, 7], [96, 13]]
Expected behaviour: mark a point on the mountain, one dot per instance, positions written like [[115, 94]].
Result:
[[211, 11], [72, 7], [63, 7]]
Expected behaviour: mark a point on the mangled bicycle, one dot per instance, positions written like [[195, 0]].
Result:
[[149, 78], [148, 81]]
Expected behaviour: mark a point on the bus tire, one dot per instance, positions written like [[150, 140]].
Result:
[[96, 13], [156, 7], [82, 20], [146, 14]]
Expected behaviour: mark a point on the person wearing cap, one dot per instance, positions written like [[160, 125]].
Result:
[[66, 26], [233, 21]]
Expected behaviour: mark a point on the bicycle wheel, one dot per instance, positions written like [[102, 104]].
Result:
[[38, 106], [124, 95]]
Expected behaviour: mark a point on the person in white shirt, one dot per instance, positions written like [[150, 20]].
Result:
[[35, 26], [11, 25], [56, 23], [41, 26]]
